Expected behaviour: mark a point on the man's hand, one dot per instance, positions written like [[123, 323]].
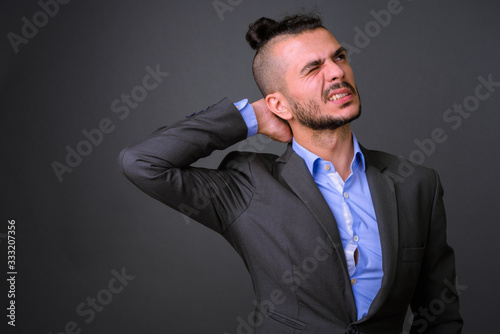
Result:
[[269, 124]]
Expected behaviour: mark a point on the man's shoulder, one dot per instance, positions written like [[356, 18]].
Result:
[[398, 168]]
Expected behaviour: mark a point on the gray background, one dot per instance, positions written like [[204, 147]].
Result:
[[71, 234]]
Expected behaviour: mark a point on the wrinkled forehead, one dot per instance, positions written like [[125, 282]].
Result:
[[294, 51]]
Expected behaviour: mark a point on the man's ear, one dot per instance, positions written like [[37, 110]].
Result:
[[279, 105]]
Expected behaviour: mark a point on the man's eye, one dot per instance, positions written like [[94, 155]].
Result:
[[340, 57], [312, 70]]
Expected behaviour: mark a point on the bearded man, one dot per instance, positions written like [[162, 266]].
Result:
[[333, 240]]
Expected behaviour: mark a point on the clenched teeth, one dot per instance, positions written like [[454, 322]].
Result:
[[338, 96]]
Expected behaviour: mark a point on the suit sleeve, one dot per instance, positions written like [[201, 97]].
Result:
[[160, 166], [435, 302]]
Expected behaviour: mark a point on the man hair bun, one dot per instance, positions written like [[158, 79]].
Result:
[[264, 29], [260, 32]]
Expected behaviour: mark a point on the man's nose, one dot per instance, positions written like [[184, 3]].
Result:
[[333, 71]]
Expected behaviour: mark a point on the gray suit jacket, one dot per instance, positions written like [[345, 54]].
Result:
[[271, 211]]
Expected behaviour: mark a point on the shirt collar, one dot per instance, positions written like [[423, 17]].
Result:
[[314, 162]]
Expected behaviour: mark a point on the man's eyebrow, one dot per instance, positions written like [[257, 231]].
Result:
[[318, 62], [339, 51]]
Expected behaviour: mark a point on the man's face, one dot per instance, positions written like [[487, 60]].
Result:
[[319, 81]]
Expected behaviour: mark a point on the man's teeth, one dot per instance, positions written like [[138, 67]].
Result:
[[338, 96]]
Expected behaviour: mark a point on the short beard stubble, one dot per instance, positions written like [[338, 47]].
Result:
[[308, 114]]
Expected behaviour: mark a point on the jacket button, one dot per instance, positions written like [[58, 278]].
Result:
[[353, 329]]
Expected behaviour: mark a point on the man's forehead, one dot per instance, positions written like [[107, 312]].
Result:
[[307, 46]]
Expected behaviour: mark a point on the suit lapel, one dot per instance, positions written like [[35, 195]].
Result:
[[299, 179], [384, 201]]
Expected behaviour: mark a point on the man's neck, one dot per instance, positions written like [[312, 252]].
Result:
[[335, 146]]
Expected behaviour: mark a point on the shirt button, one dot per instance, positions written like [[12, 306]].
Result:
[[327, 167], [346, 195], [353, 281], [356, 238]]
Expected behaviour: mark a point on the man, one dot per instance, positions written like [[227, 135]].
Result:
[[328, 231]]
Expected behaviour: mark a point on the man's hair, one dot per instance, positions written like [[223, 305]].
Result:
[[262, 35]]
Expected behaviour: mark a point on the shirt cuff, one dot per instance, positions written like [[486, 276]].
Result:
[[248, 115]]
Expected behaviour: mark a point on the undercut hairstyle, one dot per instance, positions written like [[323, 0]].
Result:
[[262, 35]]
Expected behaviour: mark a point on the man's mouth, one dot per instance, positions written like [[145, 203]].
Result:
[[336, 97], [339, 93]]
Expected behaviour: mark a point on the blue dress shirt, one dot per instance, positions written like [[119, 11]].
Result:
[[248, 114], [352, 207]]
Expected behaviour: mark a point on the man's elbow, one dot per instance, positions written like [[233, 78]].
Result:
[[128, 162]]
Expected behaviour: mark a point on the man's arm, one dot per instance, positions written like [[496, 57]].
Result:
[[160, 164], [435, 302]]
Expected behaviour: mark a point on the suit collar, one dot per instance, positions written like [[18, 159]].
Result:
[[287, 154]]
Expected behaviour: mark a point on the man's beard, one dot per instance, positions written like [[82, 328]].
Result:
[[309, 113]]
